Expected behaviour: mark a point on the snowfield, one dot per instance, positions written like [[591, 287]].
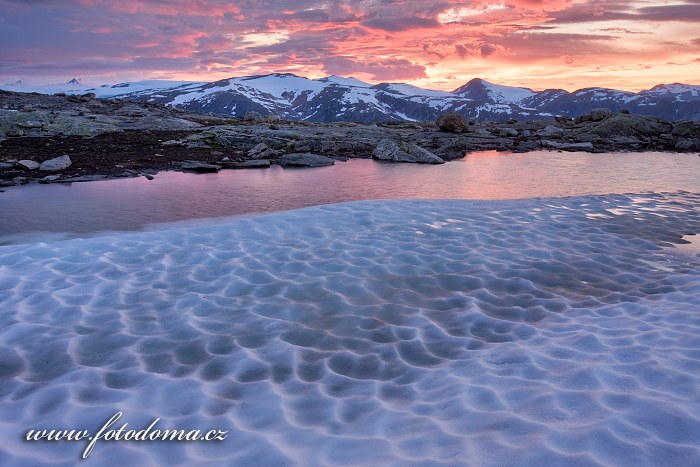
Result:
[[489, 333]]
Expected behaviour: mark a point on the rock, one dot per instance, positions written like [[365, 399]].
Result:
[[30, 124], [600, 114], [148, 176], [6, 183], [252, 164], [625, 140], [511, 132], [686, 144], [14, 133], [27, 164], [452, 122], [306, 159], [587, 146], [686, 129], [56, 164], [631, 125], [550, 130], [274, 127], [87, 97], [200, 167], [387, 150], [21, 180], [6, 165], [82, 178], [50, 178], [260, 151], [216, 153]]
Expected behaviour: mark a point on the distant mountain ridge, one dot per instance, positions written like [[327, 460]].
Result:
[[334, 98]]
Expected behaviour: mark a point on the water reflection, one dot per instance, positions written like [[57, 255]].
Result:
[[133, 203]]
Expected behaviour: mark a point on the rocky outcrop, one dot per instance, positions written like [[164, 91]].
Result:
[[387, 150], [631, 125], [56, 164], [259, 151], [306, 159]]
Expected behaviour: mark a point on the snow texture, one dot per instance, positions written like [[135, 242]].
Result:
[[491, 333]]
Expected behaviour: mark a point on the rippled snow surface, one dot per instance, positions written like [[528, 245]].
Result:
[[528, 332]]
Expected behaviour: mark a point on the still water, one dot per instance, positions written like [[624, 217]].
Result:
[[132, 204]]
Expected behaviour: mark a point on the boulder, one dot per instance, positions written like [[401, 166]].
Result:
[[260, 151], [452, 122], [387, 150], [306, 159], [550, 130], [56, 164], [511, 132], [50, 178], [30, 124], [600, 114], [200, 167], [27, 164]]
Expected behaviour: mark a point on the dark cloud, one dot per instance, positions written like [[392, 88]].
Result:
[[400, 24], [461, 50], [382, 70]]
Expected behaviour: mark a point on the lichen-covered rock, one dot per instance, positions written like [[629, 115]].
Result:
[[56, 164], [452, 122]]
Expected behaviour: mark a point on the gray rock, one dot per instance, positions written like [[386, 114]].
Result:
[[30, 124], [56, 164], [148, 176], [686, 144], [82, 178], [50, 178], [631, 125], [304, 160], [27, 164], [14, 133], [600, 114], [387, 150], [587, 146], [550, 130], [21, 180], [201, 167], [6, 165], [260, 151], [686, 128], [508, 132], [252, 164]]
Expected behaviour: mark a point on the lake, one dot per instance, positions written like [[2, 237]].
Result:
[[134, 204]]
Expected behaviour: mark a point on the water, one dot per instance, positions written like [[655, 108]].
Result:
[[132, 204]]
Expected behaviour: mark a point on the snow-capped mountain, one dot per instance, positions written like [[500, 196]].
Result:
[[336, 98]]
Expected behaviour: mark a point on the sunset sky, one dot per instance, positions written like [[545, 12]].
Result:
[[570, 44]]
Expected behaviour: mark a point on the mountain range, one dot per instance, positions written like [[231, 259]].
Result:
[[334, 98]]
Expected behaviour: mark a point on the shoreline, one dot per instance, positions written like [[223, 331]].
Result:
[[112, 138]]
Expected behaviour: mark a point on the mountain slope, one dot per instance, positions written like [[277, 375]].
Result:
[[348, 99]]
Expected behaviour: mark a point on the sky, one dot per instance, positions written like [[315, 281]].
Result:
[[439, 44]]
